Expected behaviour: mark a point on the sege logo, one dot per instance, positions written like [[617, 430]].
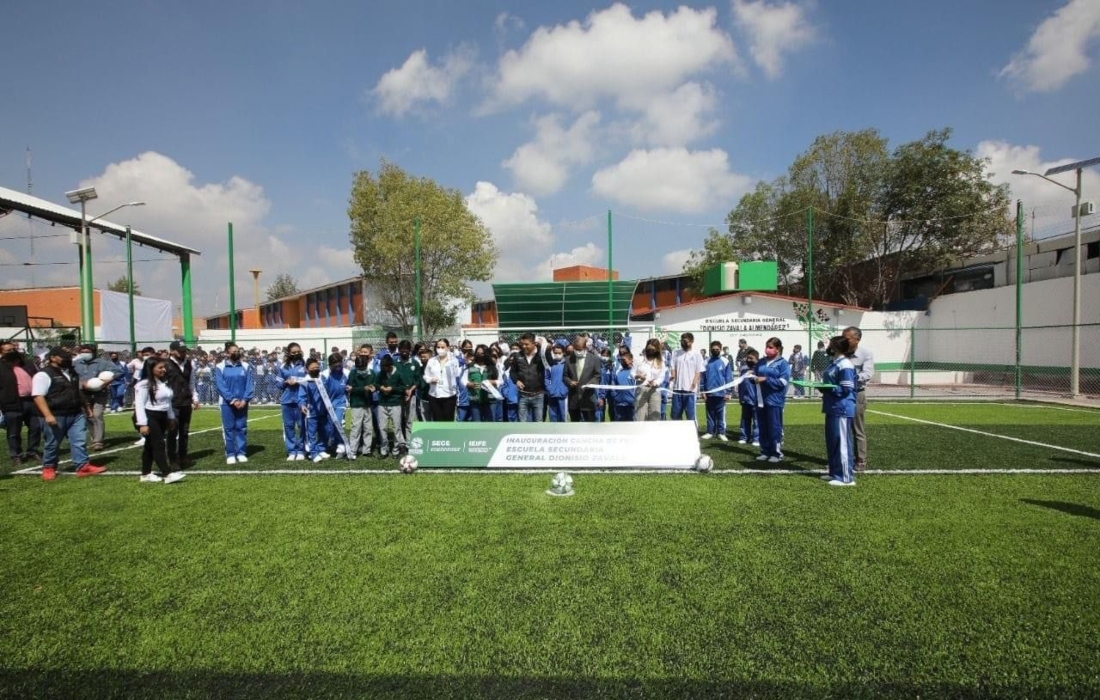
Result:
[[441, 443]]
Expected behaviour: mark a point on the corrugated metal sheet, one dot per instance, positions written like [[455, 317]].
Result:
[[558, 304]]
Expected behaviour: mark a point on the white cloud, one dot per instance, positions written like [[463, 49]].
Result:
[[1056, 51], [194, 214], [507, 22], [587, 254], [612, 54], [417, 81], [773, 29], [542, 165], [677, 118], [1051, 205], [673, 263], [672, 179], [512, 219]]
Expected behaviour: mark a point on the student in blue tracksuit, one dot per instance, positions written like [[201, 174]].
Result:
[[292, 400], [603, 397], [839, 407], [717, 372], [557, 393], [317, 419], [234, 383], [773, 376], [463, 412], [748, 395], [510, 392], [335, 382], [621, 401]]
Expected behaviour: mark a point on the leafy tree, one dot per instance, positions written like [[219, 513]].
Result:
[[456, 247], [284, 286], [939, 205], [122, 285]]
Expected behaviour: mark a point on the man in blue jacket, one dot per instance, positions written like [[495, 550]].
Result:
[[717, 372], [88, 365], [235, 385]]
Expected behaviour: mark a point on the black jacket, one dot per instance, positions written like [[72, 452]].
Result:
[[532, 374], [581, 399], [179, 380]]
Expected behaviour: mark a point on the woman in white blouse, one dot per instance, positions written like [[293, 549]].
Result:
[[154, 416], [441, 376], [650, 374]]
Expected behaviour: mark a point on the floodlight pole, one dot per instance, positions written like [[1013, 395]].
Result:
[[810, 273], [1019, 291], [232, 291], [419, 310], [87, 298]]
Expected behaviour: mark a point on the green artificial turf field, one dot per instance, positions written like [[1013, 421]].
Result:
[[479, 585]]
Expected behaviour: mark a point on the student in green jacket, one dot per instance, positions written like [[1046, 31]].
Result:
[[392, 385], [361, 387]]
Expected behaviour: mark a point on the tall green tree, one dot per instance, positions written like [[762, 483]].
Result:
[[122, 285], [284, 286], [456, 247], [876, 214]]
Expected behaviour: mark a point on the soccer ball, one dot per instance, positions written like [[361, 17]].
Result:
[[106, 376], [93, 384], [408, 464], [561, 485], [704, 464]]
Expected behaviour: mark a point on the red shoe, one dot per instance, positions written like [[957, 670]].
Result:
[[49, 473], [90, 469]]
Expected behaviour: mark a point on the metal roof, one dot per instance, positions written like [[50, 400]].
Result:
[[561, 304], [13, 200]]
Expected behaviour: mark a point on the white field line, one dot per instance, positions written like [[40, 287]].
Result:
[[38, 467], [582, 472], [888, 402], [986, 434]]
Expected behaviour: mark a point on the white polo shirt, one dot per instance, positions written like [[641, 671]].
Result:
[[687, 365]]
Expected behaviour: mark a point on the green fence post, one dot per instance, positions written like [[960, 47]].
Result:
[[810, 273], [1019, 291], [912, 360]]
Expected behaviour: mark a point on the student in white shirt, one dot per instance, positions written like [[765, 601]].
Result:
[[687, 366], [154, 416], [441, 375]]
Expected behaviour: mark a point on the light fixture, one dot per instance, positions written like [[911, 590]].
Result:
[[82, 195]]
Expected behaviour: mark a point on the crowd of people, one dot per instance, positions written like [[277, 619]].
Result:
[[60, 394]]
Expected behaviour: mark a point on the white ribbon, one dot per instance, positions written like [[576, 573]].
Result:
[[331, 413], [619, 387], [497, 396]]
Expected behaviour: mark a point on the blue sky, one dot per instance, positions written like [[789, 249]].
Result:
[[546, 115]]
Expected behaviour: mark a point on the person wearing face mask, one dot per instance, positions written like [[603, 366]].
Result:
[[716, 373], [463, 414], [292, 402], [484, 404], [441, 375], [557, 393], [89, 366], [391, 389], [361, 391], [154, 417], [117, 392], [391, 347], [650, 374], [406, 364], [686, 368], [317, 418], [234, 383], [528, 373], [179, 375], [839, 406], [748, 396], [335, 383], [581, 370], [56, 393], [773, 375], [621, 401], [16, 377], [423, 389]]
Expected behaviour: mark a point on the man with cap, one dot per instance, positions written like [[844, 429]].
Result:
[[56, 392], [180, 378], [89, 365]]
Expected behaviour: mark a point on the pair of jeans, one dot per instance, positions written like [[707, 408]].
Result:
[[683, 405], [179, 436], [530, 407], [75, 428], [14, 422]]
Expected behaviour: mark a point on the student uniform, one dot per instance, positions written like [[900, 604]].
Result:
[[716, 373], [772, 399], [234, 382], [292, 400], [839, 407]]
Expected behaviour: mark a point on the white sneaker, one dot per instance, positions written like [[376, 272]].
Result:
[[706, 436], [826, 477], [762, 458], [230, 460], [317, 459], [756, 444], [323, 455], [291, 458], [150, 478], [723, 438], [340, 450], [775, 460], [241, 459], [742, 442], [174, 477], [838, 482], [140, 442], [299, 457]]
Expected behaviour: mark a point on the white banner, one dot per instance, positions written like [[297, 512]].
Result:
[[152, 319]]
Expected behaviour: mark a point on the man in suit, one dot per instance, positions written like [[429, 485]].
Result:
[[580, 369]]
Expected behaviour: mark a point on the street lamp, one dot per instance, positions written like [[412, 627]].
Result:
[[1075, 362], [87, 314]]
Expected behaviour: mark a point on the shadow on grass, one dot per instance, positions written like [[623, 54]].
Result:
[[1093, 463], [33, 683], [1070, 508]]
